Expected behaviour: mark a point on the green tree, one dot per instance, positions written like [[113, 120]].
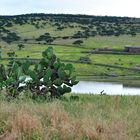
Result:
[[20, 46]]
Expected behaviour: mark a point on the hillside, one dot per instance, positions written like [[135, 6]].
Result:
[[94, 44], [75, 26]]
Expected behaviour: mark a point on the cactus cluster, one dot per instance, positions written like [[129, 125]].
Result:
[[11, 78], [48, 76]]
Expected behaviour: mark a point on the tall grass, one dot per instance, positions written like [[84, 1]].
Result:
[[91, 117]]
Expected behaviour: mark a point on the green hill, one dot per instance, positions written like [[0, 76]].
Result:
[[81, 39]]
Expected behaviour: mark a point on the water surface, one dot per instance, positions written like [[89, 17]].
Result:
[[105, 87]]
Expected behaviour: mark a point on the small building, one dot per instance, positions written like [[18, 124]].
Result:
[[132, 49]]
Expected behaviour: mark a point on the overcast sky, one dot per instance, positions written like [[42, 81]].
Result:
[[128, 8]]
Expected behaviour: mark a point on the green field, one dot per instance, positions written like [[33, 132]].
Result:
[[72, 52], [112, 41]]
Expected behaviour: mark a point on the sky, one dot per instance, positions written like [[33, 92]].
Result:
[[129, 8]]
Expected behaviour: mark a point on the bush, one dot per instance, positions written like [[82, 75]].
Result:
[[11, 37], [85, 60], [78, 42], [46, 37]]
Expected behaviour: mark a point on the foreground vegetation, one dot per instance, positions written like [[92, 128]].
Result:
[[87, 117]]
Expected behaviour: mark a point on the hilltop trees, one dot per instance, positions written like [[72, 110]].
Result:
[[82, 26]]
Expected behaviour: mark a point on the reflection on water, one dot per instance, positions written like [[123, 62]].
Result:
[[106, 87]]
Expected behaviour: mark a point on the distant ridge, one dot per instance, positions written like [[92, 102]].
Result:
[[65, 15], [76, 17]]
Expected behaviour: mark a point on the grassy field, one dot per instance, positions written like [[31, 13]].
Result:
[[112, 41], [89, 117], [65, 49], [29, 31], [72, 52]]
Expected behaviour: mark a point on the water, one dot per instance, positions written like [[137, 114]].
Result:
[[107, 87], [87, 87]]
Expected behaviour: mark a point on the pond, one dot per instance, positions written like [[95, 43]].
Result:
[[90, 87]]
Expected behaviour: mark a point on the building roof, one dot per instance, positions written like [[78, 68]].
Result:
[[134, 47]]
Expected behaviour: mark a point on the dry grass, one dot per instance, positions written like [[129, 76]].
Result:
[[70, 120]]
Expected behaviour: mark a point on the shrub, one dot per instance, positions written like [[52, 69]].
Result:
[[78, 42], [46, 37], [11, 37], [85, 60]]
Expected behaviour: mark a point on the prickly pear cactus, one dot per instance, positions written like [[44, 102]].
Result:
[[48, 76], [11, 79], [51, 76]]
